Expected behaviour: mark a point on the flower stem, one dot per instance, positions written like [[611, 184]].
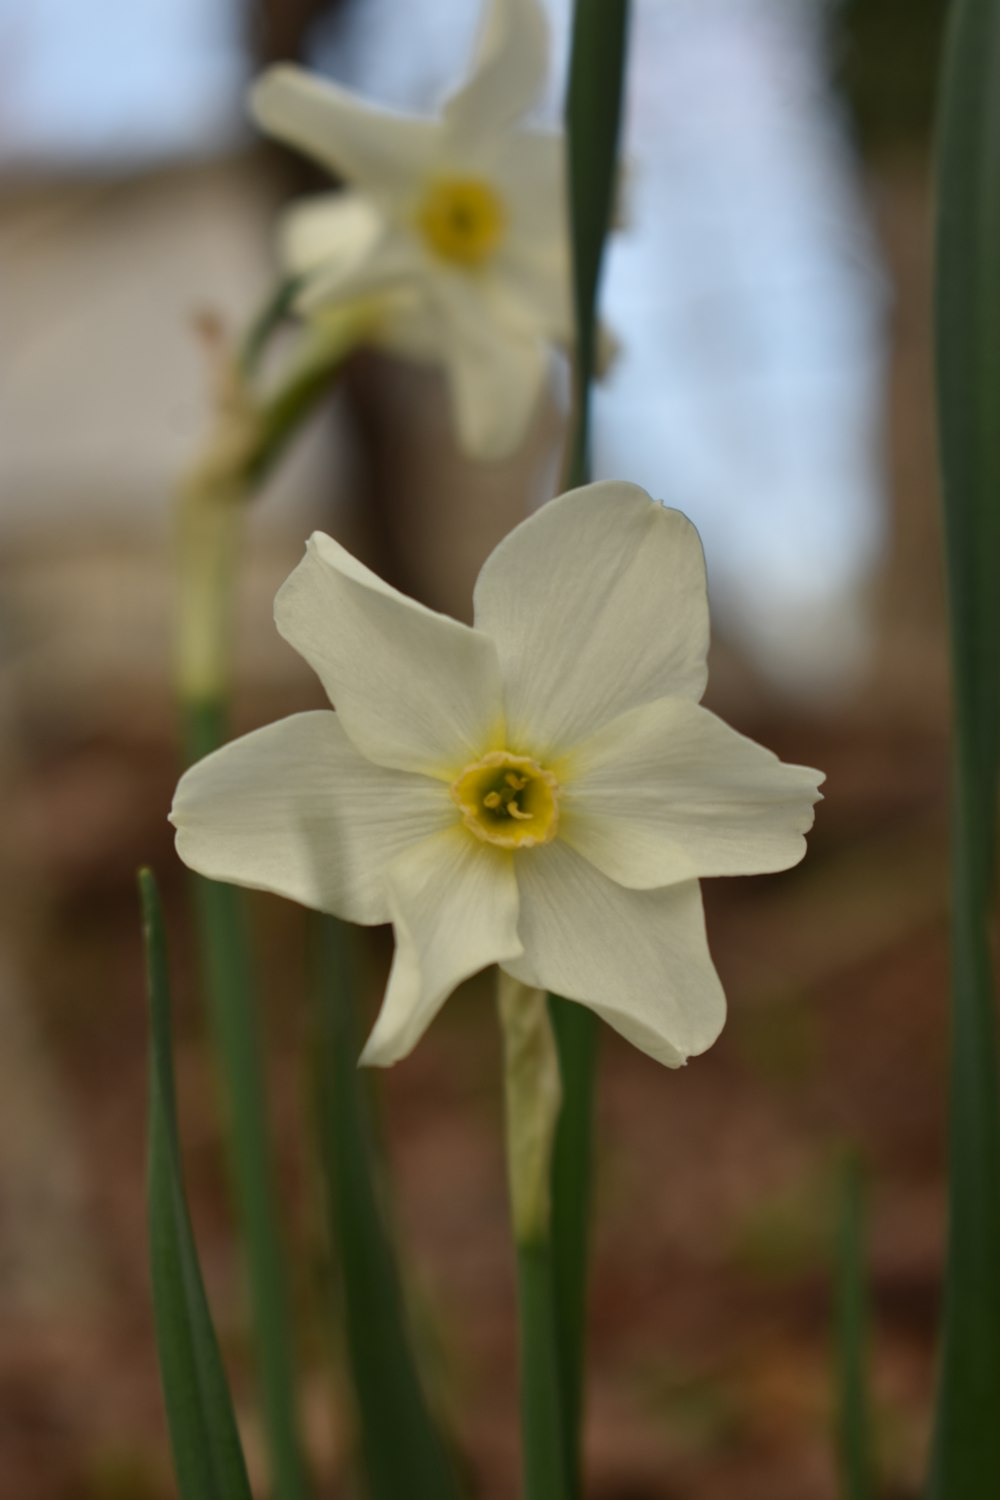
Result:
[[851, 1324], [965, 1461], [593, 116], [247, 436], [532, 1093], [223, 932], [544, 1455], [577, 1031], [403, 1450]]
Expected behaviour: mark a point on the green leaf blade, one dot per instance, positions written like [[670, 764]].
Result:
[[403, 1450], [854, 1449], [966, 1454], [208, 1457], [231, 990], [593, 120]]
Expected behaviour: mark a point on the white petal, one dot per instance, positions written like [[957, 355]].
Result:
[[454, 910], [390, 262], [597, 603], [639, 959], [329, 231], [528, 168], [533, 291], [496, 369], [669, 792], [414, 689], [508, 71], [350, 137], [294, 809]]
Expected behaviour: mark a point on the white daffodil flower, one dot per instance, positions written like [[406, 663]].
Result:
[[454, 228], [541, 791]]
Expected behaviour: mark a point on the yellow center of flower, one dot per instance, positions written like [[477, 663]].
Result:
[[509, 800], [462, 220]]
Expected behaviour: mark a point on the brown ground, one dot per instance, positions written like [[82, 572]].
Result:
[[716, 1186]]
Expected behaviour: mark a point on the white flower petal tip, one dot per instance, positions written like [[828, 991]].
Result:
[[414, 690], [607, 566], [508, 70], [669, 792], [295, 810], [338, 129], [454, 907], [639, 959]]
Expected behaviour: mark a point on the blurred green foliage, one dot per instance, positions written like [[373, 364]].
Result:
[[886, 59]]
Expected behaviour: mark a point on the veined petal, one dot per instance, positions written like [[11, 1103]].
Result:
[[669, 792], [496, 369], [413, 689], [294, 809], [639, 959], [596, 603], [454, 911], [351, 138], [508, 71], [328, 231]]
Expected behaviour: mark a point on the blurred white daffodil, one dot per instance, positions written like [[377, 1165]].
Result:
[[453, 228], [542, 790]]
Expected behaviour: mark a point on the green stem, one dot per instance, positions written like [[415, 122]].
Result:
[[402, 1448], [593, 120], [224, 942], [966, 1450], [208, 1458], [577, 1032], [210, 511], [541, 1414], [853, 1425], [593, 116], [267, 322], [532, 1093], [280, 416]]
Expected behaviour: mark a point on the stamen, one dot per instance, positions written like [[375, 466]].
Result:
[[462, 220], [508, 800]]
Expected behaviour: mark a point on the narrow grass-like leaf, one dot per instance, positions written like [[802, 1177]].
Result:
[[232, 995], [403, 1452], [545, 1476], [854, 1452], [593, 113], [593, 116], [577, 1031], [966, 1452], [207, 1455]]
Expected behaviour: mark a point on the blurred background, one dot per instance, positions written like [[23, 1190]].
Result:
[[769, 292]]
